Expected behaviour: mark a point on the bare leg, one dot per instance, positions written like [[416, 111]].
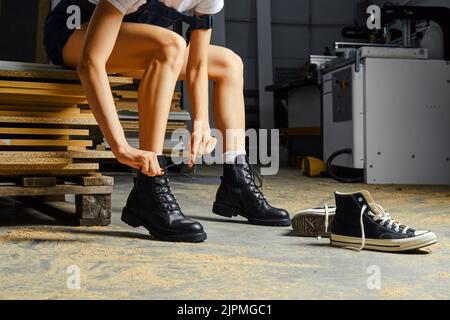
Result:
[[157, 51], [226, 69]]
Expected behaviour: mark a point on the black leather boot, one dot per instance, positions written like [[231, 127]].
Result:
[[239, 194], [152, 205]]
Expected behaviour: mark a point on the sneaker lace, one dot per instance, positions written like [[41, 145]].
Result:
[[327, 215], [380, 215]]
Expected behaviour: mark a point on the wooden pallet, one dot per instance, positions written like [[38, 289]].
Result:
[[42, 121], [47, 194]]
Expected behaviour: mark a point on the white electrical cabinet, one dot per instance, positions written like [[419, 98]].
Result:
[[394, 114]]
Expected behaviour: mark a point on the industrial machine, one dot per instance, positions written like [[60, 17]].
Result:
[[386, 107]]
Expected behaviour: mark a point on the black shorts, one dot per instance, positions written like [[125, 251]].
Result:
[[56, 32]]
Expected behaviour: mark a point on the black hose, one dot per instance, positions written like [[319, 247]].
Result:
[[334, 175]]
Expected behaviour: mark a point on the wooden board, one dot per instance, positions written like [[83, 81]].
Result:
[[45, 131], [58, 189], [57, 120], [134, 125], [62, 87], [56, 114], [129, 94], [132, 105], [59, 75], [62, 170], [16, 161], [24, 70], [36, 99], [87, 154], [18, 107], [96, 180], [33, 182], [38, 103], [45, 143], [43, 92], [54, 172]]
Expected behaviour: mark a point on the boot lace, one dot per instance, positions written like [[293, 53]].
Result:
[[380, 215], [255, 180], [164, 195]]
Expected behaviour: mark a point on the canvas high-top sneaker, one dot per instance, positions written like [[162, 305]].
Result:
[[360, 223], [315, 222]]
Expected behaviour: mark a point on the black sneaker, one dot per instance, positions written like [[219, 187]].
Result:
[[314, 222], [360, 223]]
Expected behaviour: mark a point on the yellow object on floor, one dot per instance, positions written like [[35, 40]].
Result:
[[312, 167]]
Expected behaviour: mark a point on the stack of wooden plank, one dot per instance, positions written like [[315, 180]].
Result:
[[46, 145], [46, 118], [43, 109]]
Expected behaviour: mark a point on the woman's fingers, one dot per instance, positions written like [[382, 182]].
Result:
[[144, 164], [150, 165], [195, 145], [201, 144], [201, 148], [158, 169], [153, 170], [210, 145]]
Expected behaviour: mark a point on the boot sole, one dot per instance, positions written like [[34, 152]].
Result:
[[135, 221], [311, 225], [389, 245], [230, 212]]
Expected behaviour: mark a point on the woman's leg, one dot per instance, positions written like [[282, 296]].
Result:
[[156, 51], [160, 54], [226, 70]]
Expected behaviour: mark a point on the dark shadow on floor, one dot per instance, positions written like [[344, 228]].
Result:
[[222, 220], [14, 213]]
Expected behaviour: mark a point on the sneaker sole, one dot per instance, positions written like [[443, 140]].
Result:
[[230, 212], [311, 224], [134, 221], [389, 245]]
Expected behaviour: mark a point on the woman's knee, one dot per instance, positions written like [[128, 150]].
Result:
[[233, 66], [172, 50]]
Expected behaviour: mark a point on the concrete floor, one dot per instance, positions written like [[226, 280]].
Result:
[[238, 261]]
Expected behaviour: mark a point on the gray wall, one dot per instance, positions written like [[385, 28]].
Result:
[[299, 28]]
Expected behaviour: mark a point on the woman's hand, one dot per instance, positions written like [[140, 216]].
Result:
[[145, 161], [202, 143]]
